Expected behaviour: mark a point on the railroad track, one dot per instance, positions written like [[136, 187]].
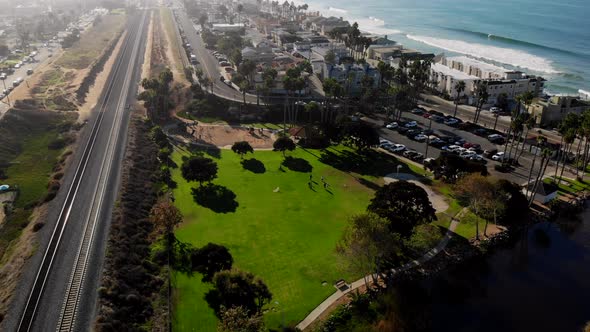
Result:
[[67, 317]]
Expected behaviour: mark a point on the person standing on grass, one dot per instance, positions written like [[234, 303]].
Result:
[[310, 177]]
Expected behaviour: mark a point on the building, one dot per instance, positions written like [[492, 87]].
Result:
[[258, 54], [226, 27], [545, 191], [324, 25], [351, 76], [444, 79], [551, 111], [515, 83]]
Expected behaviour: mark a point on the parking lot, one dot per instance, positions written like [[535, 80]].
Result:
[[439, 129]]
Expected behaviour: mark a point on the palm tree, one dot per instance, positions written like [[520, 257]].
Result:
[[541, 140], [567, 129], [482, 98], [459, 87], [545, 158], [529, 124]]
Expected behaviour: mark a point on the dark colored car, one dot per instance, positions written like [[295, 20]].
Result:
[[402, 129], [481, 132], [438, 118], [427, 131], [418, 111], [412, 132], [437, 143]]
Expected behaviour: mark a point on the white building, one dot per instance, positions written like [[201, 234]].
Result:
[[351, 76]]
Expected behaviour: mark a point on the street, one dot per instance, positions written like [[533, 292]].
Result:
[[59, 285], [42, 58]]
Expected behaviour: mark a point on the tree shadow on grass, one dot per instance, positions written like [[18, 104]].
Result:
[[215, 197], [253, 165], [369, 184], [297, 164], [369, 162]]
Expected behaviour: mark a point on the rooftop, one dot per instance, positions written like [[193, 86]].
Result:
[[456, 74]]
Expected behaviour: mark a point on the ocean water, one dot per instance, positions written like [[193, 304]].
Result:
[[541, 37]]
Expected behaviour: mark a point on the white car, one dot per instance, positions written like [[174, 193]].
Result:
[[420, 138], [452, 148], [392, 125], [411, 124], [498, 156], [398, 148]]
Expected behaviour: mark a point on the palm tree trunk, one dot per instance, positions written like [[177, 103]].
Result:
[[559, 154], [542, 169], [568, 151], [531, 170], [578, 157], [526, 133]]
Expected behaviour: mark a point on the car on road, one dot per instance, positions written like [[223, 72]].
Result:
[[496, 110], [17, 82], [411, 124], [409, 153], [498, 156], [420, 138], [417, 157], [3, 76], [392, 125], [29, 71]]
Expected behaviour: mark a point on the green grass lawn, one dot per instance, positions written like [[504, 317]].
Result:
[[286, 238], [568, 186]]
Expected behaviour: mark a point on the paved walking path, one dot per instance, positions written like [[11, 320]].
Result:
[[319, 310]]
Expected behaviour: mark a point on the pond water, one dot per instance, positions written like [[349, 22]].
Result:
[[539, 283]]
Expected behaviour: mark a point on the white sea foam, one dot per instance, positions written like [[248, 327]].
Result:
[[498, 54], [367, 24], [338, 10]]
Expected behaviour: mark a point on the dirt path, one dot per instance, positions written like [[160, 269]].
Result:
[[224, 136], [96, 90]]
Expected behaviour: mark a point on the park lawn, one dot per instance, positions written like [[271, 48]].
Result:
[[569, 186], [286, 238]]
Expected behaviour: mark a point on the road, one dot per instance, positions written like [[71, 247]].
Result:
[[41, 59], [67, 266], [208, 63]]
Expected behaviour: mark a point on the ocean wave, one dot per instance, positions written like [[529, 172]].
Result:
[[338, 10], [366, 24], [514, 41], [503, 55]]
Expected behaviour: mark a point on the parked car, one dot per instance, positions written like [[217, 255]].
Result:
[[450, 148], [392, 125], [480, 132], [478, 158], [467, 154], [451, 122], [386, 145], [427, 131], [2, 96], [411, 133], [498, 156], [398, 148], [496, 139], [402, 129], [490, 153], [411, 124], [420, 138], [437, 143], [437, 118], [409, 153], [418, 111], [225, 64], [426, 115], [417, 156]]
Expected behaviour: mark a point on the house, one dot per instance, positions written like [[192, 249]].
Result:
[[553, 110], [258, 54], [545, 191]]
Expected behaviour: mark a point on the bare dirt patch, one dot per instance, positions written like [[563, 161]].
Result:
[[95, 91], [226, 136]]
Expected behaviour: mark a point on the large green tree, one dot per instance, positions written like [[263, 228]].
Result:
[[241, 148], [283, 144], [199, 168], [234, 288], [404, 204]]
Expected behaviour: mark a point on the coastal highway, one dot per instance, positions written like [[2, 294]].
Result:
[[58, 290]]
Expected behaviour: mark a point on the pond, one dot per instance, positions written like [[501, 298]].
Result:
[[539, 283]]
